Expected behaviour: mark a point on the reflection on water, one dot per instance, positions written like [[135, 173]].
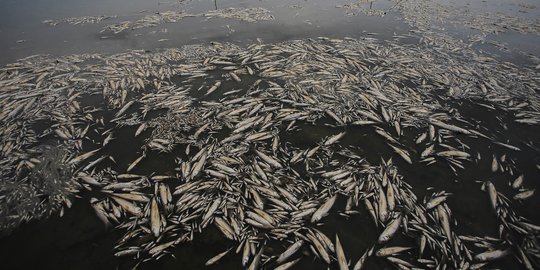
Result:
[[22, 21], [23, 33]]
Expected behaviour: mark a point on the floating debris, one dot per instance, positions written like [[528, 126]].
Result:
[[46, 188], [362, 6], [79, 20], [242, 14], [117, 27], [251, 15], [160, 18], [427, 15]]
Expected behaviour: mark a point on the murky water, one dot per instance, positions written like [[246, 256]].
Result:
[[78, 240], [22, 21]]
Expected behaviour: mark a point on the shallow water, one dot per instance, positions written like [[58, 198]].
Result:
[[79, 241], [22, 21]]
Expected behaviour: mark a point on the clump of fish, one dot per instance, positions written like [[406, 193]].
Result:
[[79, 20], [251, 15], [224, 118]]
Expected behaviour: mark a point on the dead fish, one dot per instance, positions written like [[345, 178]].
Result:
[[198, 166], [388, 251], [494, 164], [213, 207], [132, 197], [397, 127], [402, 153], [445, 222], [245, 253], [525, 260], [324, 240], [108, 139], [492, 195], [333, 115], [518, 182], [127, 252], [454, 153], [83, 157], [524, 195], [264, 222], [124, 109], [449, 127], [508, 146], [319, 248], [213, 88], [100, 212], [422, 244], [256, 261], [333, 139], [382, 205], [385, 115], [421, 138], [89, 180], [155, 221], [218, 257], [201, 130], [342, 261], [164, 194], [235, 77], [159, 178], [428, 151], [363, 123], [390, 230], [225, 228], [431, 132], [291, 250], [491, 255], [390, 200], [312, 152], [62, 134], [323, 210], [400, 262], [129, 207], [135, 163], [360, 263], [371, 211], [435, 202], [141, 128], [160, 248], [94, 163], [269, 160], [288, 265]]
